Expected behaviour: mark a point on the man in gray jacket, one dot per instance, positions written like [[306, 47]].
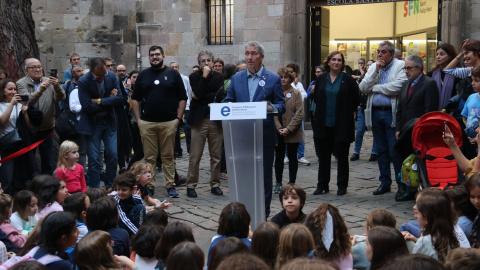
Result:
[[43, 93]]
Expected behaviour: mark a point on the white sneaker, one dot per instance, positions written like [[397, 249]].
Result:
[[303, 161], [285, 161]]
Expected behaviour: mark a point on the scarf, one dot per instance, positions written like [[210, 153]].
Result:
[[445, 88]]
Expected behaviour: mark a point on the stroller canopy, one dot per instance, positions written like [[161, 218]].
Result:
[[428, 131]]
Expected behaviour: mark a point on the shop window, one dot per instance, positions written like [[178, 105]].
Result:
[[220, 22]]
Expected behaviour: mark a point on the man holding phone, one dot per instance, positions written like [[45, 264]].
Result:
[[43, 93]]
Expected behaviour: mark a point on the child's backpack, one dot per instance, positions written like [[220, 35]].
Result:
[[409, 172], [45, 260]]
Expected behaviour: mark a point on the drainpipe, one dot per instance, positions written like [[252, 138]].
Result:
[[139, 61]]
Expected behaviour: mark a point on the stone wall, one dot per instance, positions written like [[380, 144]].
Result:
[[88, 27], [108, 28]]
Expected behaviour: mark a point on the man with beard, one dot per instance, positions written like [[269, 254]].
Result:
[[162, 95]]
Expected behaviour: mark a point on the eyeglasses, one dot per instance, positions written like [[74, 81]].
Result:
[[35, 67], [409, 68], [121, 70], [382, 52], [206, 60], [110, 65], [155, 54]]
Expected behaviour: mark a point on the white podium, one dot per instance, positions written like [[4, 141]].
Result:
[[243, 138]]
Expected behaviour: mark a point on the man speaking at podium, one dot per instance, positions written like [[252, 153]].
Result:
[[255, 84]]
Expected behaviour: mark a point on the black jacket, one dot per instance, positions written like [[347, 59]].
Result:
[[207, 90], [347, 104]]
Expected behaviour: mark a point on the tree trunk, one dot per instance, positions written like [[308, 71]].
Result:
[[17, 36]]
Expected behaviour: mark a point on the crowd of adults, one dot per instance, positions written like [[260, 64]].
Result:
[[110, 112]]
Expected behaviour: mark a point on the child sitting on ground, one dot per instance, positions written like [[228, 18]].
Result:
[[130, 205], [292, 197], [95, 194], [103, 215], [143, 173], [473, 189], [156, 217], [17, 239], [332, 241], [296, 241], [380, 217], [77, 204], [143, 244], [24, 218], [51, 195], [471, 109], [173, 234], [463, 209], [68, 169], [234, 221]]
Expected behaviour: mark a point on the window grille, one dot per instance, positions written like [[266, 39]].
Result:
[[220, 22]]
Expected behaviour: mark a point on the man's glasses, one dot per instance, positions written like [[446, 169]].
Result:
[[110, 65], [121, 70], [155, 55], [206, 60], [409, 68], [35, 67], [382, 52]]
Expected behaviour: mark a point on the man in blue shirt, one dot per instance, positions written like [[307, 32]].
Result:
[[383, 83], [258, 84]]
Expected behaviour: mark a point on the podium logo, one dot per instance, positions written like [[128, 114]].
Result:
[[225, 111]]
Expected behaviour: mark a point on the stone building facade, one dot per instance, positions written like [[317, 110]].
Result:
[[108, 28]]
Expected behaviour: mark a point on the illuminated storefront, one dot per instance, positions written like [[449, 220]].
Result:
[[356, 27]]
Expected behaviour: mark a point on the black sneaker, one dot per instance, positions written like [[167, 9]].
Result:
[[373, 157], [180, 181], [217, 191], [354, 157], [191, 193]]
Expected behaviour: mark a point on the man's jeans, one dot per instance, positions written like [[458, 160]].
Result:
[[384, 135], [102, 132], [360, 132]]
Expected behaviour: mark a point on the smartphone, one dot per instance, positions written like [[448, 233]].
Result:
[[24, 98], [53, 72], [446, 126]]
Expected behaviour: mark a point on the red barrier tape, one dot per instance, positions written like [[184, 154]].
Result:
[[24, 150]]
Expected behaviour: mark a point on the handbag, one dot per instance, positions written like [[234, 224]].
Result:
[[12, 138], [67, 124]]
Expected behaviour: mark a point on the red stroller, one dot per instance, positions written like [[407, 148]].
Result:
[[436, 163]]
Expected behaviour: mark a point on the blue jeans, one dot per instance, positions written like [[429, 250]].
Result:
[[384, 135], [301, 145], [360, 132], [102, 132]]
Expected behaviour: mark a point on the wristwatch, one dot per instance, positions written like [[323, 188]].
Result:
[[99, 101], [180, 119]]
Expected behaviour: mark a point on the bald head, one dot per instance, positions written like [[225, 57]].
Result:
[[121, 70]]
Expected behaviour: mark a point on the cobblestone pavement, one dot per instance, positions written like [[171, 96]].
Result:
[[202, 213]]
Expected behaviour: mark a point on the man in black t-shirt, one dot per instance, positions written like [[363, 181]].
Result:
[[207, 87], [162, 95]]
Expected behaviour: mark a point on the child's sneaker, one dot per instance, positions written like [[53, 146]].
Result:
[[303, 161], [172, 192], [278, 187], [223, 176]]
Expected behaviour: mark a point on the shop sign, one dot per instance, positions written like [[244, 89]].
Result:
[[312, 3], [415, 15], [415, 7]]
